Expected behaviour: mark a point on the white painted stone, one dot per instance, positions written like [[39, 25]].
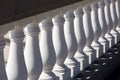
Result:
[[114, 32], [96, 29], [15, 68], [103, 25], [60, 69], [3, 75], [32, 53], [4, 33], [88, 33], [81, 39], [47, 50], [71, 42], [117, 6], [108, 18]]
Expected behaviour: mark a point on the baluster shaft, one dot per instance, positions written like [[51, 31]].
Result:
[[71, 42], [3, 75], [47, 50], [31, 52], [16, 69], [81, 39], [60, 69], [114, 32], [108, 18], [88, 33], [103, 26], [96, 29]]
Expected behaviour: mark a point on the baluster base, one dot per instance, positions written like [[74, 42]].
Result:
[[82, 58], [105, 43], [115, 35], [98, 47], [118, 29], [73, 65], [91, 53], [48, 76], [62, 71], [110, 38]]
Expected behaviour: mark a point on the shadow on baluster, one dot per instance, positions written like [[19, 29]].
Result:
[[81, 57], [114, 32], [103, 25], [96, 29], [31, 52], [60, 69], [71, 42], [3, 75], [16, 68], [108, 19], [117, 8], [89, 51], [47, 50]]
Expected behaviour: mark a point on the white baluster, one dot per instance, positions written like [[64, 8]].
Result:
[[88, 33], [96, 29], [81, 39], [31, 52], [60, 69], [16, 69], [103, 26], [71, 42], [47, 50], [114, 20], [3, 75], [108, 18], [117, 6]]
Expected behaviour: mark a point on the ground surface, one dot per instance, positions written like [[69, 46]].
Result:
[[115, 75]]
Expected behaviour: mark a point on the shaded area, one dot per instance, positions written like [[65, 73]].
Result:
[[115, 75], [11, 10], [104, 68]]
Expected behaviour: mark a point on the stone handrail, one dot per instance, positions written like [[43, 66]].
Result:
[[59, 43]]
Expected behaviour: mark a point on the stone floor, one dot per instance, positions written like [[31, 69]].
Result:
[[107, 67], [115, 75]]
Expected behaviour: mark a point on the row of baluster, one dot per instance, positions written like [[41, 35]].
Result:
[[60, 47]]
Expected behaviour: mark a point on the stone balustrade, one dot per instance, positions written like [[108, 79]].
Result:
[[59, 44]]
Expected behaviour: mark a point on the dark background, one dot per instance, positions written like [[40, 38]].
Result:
[[11, 10]]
